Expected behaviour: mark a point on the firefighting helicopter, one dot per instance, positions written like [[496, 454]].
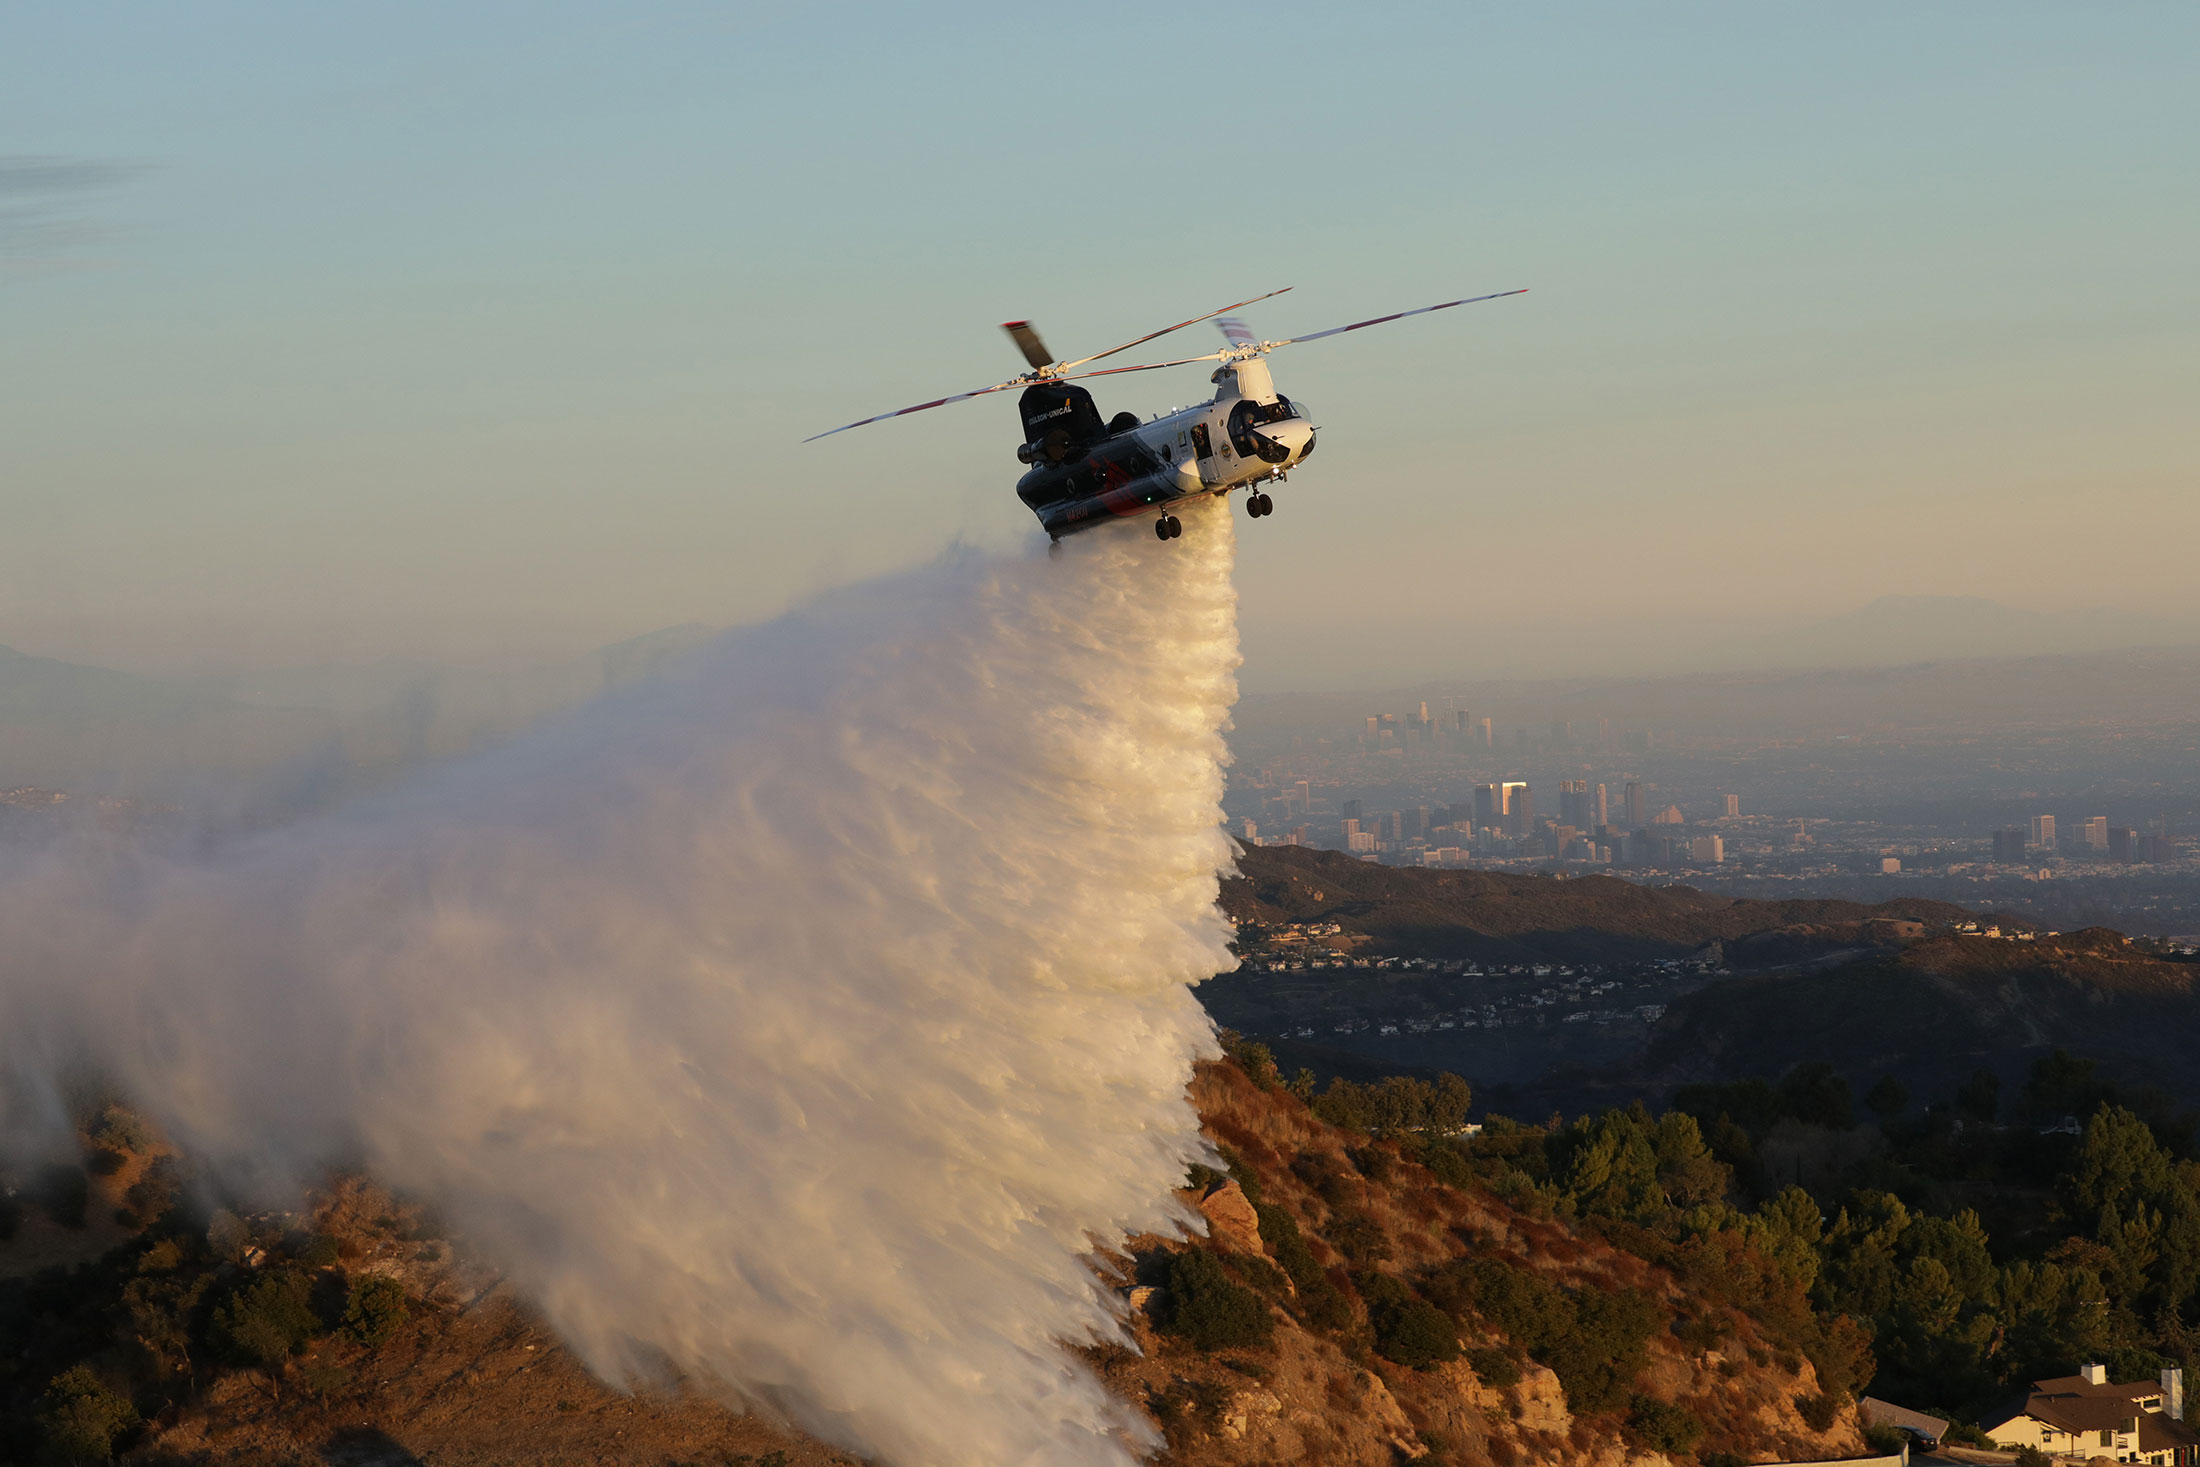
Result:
[[1086, 471]]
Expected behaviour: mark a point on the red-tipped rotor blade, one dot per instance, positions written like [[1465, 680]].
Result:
[[1164, 331], [920, 407], [1398, 316], [1213, 356]]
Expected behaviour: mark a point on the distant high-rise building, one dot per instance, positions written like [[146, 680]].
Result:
[[1634, 803], [1602, 808], [1733, 806], [1890, 866], [1573, 803], [1424, 720], [1489, 735], [1417, 823], [2096, 834], [1488, 805], [1460, 722], [2009, 846], [1374, 730], [1519, 805], [2043, 832], [1249, 828], [1348, 828], [1351, 810], [1670, 815], [2123, 843], [1305, 794], [2157, 847], [1604, 733], [1707, 850]]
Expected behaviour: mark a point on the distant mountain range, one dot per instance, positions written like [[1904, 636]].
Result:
[[1895, 631], [1311, 646]]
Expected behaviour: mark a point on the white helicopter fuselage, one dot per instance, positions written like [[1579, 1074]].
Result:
[[1247, 434]]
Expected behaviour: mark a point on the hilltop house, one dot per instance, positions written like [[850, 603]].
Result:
[[2083, 1415]]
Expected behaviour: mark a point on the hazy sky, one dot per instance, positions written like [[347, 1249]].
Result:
[[344, 331]]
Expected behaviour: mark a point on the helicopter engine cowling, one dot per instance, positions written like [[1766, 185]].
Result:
[[1283, 442]]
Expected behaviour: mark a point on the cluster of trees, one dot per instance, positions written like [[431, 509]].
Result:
[[1941, 1258], [89, 1353]]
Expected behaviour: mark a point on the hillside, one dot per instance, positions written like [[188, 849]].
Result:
[[1499, 917], [1946, 1005], [1364, 1311]]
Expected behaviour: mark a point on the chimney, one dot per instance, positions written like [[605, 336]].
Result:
[[2173, 1392], [2094, 1374]]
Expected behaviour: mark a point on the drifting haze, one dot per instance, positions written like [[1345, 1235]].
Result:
[[792, 1023]]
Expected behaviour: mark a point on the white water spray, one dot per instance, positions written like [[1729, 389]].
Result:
[[792, 1026]]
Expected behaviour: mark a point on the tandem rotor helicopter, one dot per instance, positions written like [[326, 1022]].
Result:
[[1087, 472]]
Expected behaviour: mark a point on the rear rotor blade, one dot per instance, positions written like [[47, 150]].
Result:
[[920, 407], [1398, 316], [1027, 340], [1164, 331]]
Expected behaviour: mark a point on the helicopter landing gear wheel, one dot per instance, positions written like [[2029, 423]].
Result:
[[1168, 527], [1260, 506]]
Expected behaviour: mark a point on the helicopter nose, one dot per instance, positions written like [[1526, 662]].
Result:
[[1293, 436]]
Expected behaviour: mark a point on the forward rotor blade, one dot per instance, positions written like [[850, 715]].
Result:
[[1399, 316], [921, 407], [1164, 331], [1213, 356]]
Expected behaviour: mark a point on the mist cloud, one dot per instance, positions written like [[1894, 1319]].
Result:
[[792, 1025]]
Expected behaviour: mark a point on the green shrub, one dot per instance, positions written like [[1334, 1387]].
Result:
[[1818, 1411], [324, 1378], [376, 1309], [1885, 1441], [268, 1320], [2032, 1457], [1321, 1301], [1417, 1334], [152, 1195], [1723, 1459], [122, 1130], [1494, 1367], [1358, 1237], [1210, 1309], [79, 1417], [319, 1251], [1662, 1426]]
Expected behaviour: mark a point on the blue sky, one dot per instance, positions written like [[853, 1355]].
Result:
[[422, 330]]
